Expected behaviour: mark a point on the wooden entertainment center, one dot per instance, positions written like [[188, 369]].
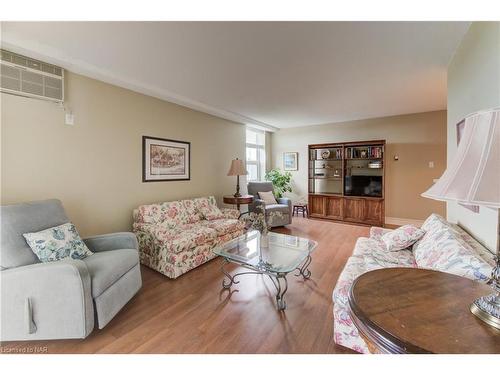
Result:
[[346, 181]]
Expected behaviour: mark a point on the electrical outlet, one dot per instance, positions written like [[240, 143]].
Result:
[[431, 164]]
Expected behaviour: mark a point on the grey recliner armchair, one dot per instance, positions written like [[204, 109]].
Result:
[[284, 205], [60, 299]]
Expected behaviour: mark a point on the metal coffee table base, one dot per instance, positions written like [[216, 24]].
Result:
[[278, 278]]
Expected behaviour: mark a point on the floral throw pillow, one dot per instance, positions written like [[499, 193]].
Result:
[[207, 207], [402, 238], [446, 251], [57, 243]]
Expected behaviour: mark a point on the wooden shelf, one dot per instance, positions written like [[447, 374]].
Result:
[[364, 158], [339, 206], [328, 194], [367, 168], [325, 178], [330, 159], [324, 168], [362, 197]]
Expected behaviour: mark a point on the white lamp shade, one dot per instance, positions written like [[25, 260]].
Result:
[[237, 168], [473, 176]]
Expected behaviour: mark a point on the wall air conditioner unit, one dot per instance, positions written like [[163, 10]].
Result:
[[21, 75]]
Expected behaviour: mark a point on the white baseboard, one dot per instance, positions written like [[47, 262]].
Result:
[[403, 221]]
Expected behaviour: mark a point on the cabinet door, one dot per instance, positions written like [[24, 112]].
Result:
[[316, 206], [354, 209], [333, 208], [374, 211]]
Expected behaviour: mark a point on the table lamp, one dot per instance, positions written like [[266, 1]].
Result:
[[473, 177], [237, 169]]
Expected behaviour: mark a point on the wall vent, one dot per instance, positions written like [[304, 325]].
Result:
[[21, 75]]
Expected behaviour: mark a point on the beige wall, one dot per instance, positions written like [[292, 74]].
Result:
[[269, 155], [417, 139], [95, 167], [473, 85]]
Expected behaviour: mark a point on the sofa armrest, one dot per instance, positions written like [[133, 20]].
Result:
[[46, 301], [377, 232], [112, 241], [286, 201], [230, 213]]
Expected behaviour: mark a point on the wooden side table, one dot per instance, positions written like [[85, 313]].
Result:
[[411, 310], [238, 201]]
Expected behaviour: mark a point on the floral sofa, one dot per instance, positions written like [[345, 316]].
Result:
[[444, 247], [175, 237]]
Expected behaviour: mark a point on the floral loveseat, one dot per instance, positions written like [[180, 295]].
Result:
[[175, 237], [444, 247]]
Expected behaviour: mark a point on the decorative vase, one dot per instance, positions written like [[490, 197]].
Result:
[[264, 240]]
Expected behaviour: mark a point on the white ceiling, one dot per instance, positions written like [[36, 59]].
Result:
[[277, 74]]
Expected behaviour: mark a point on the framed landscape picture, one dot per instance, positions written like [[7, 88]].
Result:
[[165, 159], [290, 161]]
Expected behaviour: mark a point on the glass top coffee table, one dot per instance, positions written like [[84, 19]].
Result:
[[275, 256]]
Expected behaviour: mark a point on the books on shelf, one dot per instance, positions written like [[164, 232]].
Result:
[[369, 152], [329, 153]]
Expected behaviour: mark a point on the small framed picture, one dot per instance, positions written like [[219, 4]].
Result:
[[290, 161], [165, 159]]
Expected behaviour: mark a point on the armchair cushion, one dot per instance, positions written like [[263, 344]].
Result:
[[267, 197], [105, 268], [57, 243]]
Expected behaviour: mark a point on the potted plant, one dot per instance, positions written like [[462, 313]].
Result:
[[282, 182]]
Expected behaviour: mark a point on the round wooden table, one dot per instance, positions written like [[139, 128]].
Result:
[[410, 310], [238, 201]]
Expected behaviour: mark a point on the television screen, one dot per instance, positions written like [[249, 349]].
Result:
[[363, 186]]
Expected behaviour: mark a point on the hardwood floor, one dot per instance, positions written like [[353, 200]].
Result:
[[194, 315]]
